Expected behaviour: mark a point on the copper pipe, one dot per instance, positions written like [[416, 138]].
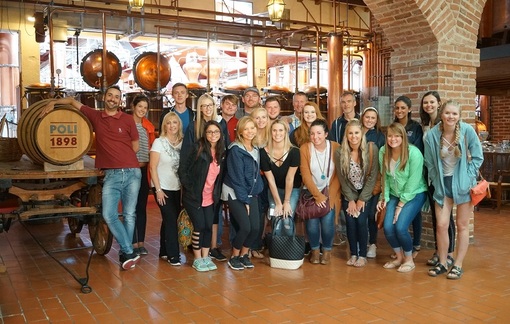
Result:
[[208, 85], [335, 62], [52, 59], [318, 55], [158, 82], [297, 76], [103, 64]]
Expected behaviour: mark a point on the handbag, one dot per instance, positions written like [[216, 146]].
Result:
[[184, 228], [286, 249], [482, 189], [307, 208]]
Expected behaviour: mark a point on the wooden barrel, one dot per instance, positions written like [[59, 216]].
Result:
[[60, 137]]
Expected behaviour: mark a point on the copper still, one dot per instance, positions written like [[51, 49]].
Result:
[[91, 69], [145, 69]]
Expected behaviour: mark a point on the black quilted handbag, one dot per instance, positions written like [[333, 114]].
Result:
[[284, 243]]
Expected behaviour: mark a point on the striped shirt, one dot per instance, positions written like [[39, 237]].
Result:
[[143, 153]]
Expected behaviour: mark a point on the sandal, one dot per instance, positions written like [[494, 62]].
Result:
[[352, 260], [449, 261], [406, 267], [416, 249], [361, 262], [455, 273], [437, 270], [391, 265], [434, 260]]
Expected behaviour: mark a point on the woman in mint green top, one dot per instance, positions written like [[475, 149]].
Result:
[[403, 193]]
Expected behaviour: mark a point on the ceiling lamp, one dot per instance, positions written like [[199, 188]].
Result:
[[136, 4], [275, 9]]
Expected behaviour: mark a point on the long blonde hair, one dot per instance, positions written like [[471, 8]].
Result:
[[302, 133], [346, 149], [263, 135], [396, 128], [199, 127], [286, 141], [456, 131]]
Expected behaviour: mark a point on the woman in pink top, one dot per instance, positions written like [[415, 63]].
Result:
[[200, 175]]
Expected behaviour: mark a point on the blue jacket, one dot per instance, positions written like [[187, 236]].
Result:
[[375, 136], [415, 134], [336, 133], [407, 183], [243, 173], [465, 173]]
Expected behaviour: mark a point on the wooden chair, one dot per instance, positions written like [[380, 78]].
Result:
[[502, 189], [492, 163]]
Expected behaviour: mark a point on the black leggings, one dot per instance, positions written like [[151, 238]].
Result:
[[451, 227], [141, 208], [169, 244], [202, 219], [246, 226]]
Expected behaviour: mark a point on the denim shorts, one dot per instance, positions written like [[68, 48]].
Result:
[[448, 187]]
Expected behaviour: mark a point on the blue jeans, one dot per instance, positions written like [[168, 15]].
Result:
[[321, 230], [371, 207], [398, 234], [294, 197], [121, 185], [357, 231]]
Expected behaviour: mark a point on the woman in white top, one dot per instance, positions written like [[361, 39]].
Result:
[[164, 164]]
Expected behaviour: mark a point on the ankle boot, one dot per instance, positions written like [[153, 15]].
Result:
[[315, 256], [326, 257]]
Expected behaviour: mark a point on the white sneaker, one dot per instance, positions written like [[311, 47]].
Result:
[[371, 253]]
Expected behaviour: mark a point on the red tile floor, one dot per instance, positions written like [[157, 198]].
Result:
[[35, 289]]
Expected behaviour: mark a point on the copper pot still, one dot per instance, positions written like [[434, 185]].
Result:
[[145, 69], [92, 64]]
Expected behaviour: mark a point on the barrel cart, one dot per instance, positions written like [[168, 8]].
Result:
[[55, 179]]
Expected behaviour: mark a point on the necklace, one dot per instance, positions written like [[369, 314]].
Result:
[[323, 176], [174, 142]]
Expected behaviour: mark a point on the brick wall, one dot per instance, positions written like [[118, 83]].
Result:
[[500, 118], [434, 48]]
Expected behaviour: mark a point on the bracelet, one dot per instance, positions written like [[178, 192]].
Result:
[[399, 206], [286, 201], [158, 190]]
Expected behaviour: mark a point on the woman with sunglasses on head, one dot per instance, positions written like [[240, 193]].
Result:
[[241, 187], [201, 181]]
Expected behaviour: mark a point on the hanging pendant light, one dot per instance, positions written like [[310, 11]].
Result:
[[275, 9], [136, 4]]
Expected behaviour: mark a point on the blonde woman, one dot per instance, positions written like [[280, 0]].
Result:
[[403, 194], [207, 111], [261, 118], [357, 168], [164, 165], [453, 156], [301, 135], [241, 187], [279, 161]]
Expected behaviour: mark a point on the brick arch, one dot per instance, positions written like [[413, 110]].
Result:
[[410, 23]]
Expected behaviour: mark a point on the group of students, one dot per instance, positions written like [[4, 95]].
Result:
[[259, 162]]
